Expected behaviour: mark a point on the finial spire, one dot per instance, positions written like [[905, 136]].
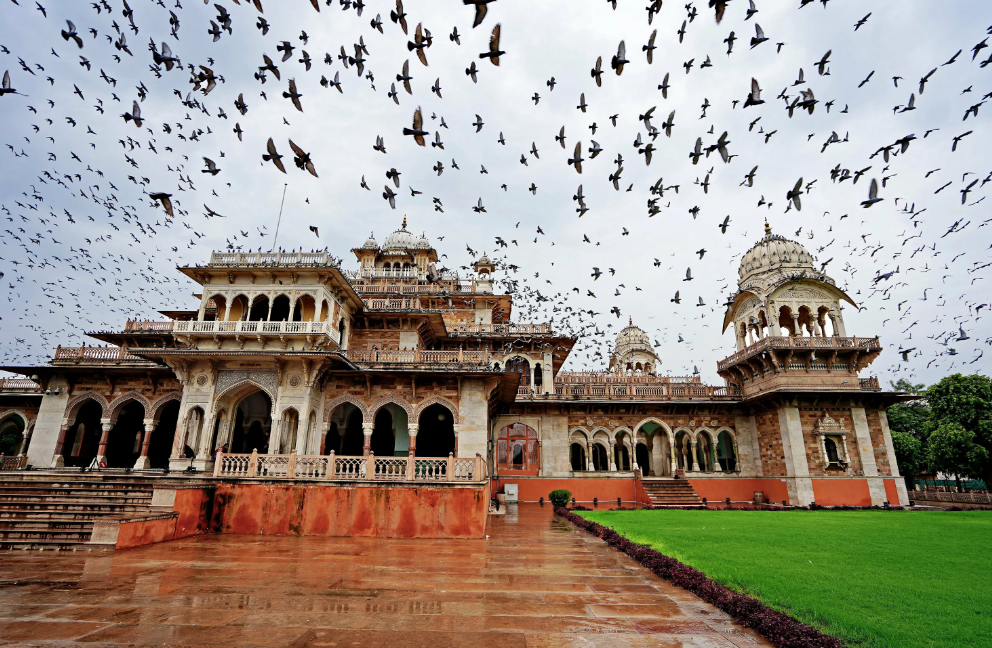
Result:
[[768, 228], [404, 222], [630, 320]]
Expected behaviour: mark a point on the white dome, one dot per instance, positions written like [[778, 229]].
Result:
[[774, 251], [371, 243], [423, 243], [400, 240]]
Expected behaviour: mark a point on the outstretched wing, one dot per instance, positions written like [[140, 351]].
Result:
[[296, 149], [480, 13], [494, 44]]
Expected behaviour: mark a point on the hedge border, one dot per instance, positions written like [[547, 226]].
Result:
[[777, 627]]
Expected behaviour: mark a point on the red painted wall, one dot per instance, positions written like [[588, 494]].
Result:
[[142, 532], [193, 506], [891, 493], [390, 512], [583, 489], [740, 490], [841, 492]]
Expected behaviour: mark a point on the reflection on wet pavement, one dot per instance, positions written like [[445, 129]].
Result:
[[534, 582]]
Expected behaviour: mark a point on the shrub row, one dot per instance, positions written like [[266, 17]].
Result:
[[780, 629]]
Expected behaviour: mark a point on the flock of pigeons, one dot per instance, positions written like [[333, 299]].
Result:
[[95, 218]]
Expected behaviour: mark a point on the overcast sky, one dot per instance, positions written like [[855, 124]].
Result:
[[64, 277]]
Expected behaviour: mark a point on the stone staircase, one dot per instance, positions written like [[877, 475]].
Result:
[[55, 510], [671, 492]]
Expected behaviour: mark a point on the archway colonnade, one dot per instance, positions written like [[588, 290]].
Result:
[[130, 431], [653, 447]]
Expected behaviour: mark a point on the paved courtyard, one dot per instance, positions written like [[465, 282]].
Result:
[[534, 582]]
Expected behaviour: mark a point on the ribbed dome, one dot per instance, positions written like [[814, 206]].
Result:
[[632, 338], [774, 251], [371, 243], [402, 239]]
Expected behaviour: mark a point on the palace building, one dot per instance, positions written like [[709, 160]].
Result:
[[292, 367]]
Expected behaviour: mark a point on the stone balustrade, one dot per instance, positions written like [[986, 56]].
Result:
[[110, 354], [631, 391], [148, 326], [801, 343], [18, 385], [12, 462], [417, 357], [394, 304], [239, 328], [507, 329], [333, 467], [281, 259]]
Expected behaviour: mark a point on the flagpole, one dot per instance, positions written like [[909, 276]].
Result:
[[279, 222]]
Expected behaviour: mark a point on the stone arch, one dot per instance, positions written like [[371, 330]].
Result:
[[10, 413], [435, 400], [333, 404], [155, 410], [385, 400], [622, 428], [580, 430], [72, 407], [115, 407], [664, 426], [709, 433], [239, 385]]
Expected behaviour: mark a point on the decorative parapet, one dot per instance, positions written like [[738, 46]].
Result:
[[500, 330], [789, 343], [433, 360], [19, 385], [85, 354], [275, 259], [632, 391], [240, 328]]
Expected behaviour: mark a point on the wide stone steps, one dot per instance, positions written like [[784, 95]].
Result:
[[671, 493], [56, 511]]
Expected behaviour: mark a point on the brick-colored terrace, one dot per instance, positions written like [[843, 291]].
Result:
[[534, 582]]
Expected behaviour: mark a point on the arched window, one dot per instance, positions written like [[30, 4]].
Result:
[[518, 448], [600, 460], [578, 457], [519, 365], [726, 454], [280, 309], [831, 447]]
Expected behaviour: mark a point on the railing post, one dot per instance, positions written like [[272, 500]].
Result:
[[370, 466], [451, 466], [217, 463], [411, 462], [291, 468], [253, 463], [477, 468], [332, 467]]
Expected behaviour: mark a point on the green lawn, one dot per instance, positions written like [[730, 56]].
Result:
[[894, 579]]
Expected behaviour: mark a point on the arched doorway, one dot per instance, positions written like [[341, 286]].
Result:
[[600, 460], [252, 424], [726, 454], [578, 457], [643, 458], [11, 434], [287, 435], [683, 450], [280, 309], [521, 366], [383, 441], [621, 455], [345, 436], [160, 446], [436, 432], [518, 448], [124, 440], [83, 437], [259, 309], [704, 452]]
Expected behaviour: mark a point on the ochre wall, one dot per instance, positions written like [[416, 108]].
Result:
[[841, 492], [143, 532], [390, 512], [583, 489], [740, 490], [194, 506], [891, 492]]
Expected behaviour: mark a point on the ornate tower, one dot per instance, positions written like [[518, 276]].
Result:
[[786, 318], [633, 352]]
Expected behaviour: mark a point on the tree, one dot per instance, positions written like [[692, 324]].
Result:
[[965, 401], [10, 441], [911, 417], [951, 449], [909, 456]]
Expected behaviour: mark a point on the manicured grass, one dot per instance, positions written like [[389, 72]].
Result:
[[893, 579]]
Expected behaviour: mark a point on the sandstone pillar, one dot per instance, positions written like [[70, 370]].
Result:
[[143, 462]]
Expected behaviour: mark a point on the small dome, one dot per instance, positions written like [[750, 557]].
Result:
[[484, 260], [774, 251], [632, 344], [370, 243], [423, 243]]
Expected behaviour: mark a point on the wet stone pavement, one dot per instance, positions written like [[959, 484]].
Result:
[[535, 582]]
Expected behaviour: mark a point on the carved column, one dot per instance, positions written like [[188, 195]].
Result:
[[412, 429], [590, 466], [143, 463], [695, 457], [57, 459], [367, 429], [613, 455], [797, 332], [672, 449], [106, 425]]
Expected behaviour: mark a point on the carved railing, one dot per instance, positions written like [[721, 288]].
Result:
[[13, 463], [418, 357], [500, 329], [802, 343], [394, 303], [343, 468], [961, 498], [138, 326], [634, 391], [18, 385], [271, 258], [95, 354], [869, 384], [240, 327], [602, 377]]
